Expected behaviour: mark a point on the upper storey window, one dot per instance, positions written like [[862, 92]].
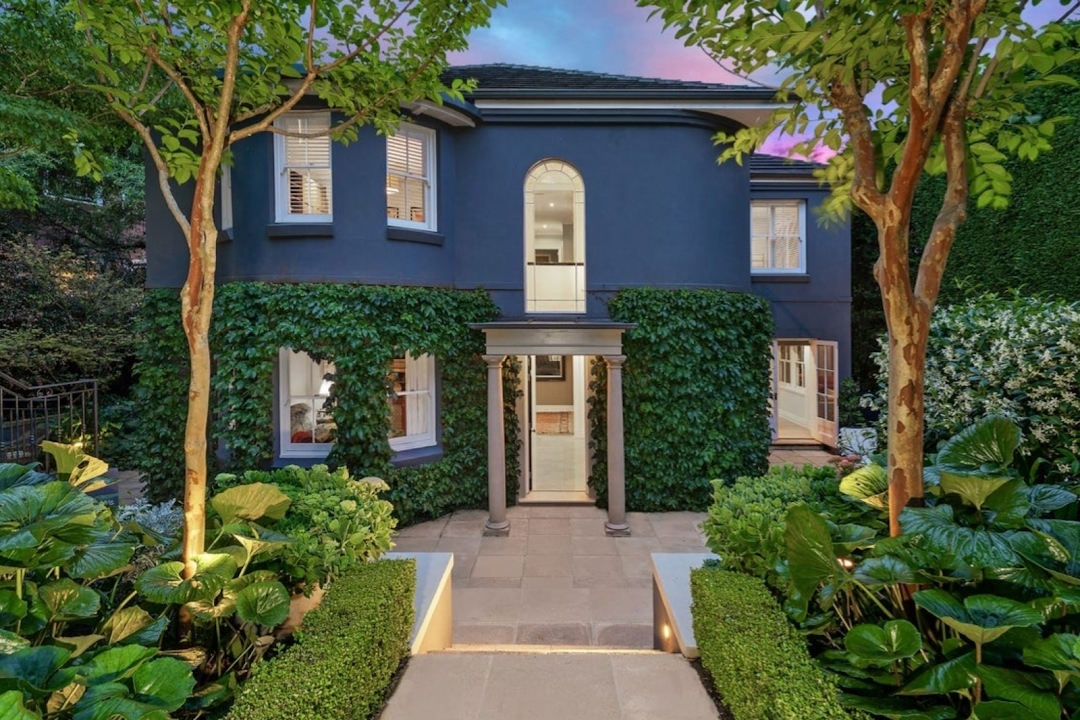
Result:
[[777, 236], [554, 238], [302, 164], [410, 178]]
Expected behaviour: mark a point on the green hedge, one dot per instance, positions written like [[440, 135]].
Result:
[[346, 655], [361, 328], [760, 664], [695, 393]]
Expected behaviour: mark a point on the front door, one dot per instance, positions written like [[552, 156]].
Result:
[[556, 444]]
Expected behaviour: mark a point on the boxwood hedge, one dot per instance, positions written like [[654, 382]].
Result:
[[346, 655], [760, 664]]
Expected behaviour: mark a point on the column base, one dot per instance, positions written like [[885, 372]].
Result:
[[499, 529], [616, 529]]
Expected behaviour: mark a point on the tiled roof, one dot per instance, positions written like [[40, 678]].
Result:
[[503, 80], [774, 165]]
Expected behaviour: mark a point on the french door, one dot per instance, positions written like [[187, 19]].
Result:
[[826, 429]]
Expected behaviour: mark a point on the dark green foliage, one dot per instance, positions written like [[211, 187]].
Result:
[[760, 664], [63, 316], [745, 526], [695, 392], [360, 328], [1032, 245], [351, 646]]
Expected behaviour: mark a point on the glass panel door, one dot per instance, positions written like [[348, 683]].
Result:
[[827, 404]]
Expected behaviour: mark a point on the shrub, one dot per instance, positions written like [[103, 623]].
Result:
[[333, 521], [695, 395], [1013, 356], [760, 664], [346, 655], [745, 526]]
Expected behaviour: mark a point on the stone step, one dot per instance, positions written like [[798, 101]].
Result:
[[551, 649], [566, 685]]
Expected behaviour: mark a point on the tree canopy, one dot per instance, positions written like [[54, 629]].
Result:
[[898, 90]]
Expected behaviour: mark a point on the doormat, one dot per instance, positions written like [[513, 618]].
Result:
[[554, 423]]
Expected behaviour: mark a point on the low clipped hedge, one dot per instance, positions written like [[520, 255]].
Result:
[[759, 663], [345, 656]]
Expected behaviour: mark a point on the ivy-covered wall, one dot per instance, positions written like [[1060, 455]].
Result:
[[360, 328], [695, 395]]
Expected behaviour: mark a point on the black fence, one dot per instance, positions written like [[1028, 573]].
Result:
[[61, 412]]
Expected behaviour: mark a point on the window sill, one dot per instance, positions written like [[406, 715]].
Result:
[[779, 278], [293, 231], [424, 237], [417, 456]]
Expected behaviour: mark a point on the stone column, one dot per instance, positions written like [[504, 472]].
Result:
[[497, 523], [616, 459]]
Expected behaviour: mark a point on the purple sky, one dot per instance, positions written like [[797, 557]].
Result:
[[613, 36]]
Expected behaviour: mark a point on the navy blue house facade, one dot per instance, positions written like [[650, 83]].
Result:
[[551, 190]]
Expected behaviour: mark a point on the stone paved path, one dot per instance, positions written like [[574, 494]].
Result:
[[555, 686], [557, 579]]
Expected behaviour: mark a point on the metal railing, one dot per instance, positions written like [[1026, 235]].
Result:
[[63, 412]]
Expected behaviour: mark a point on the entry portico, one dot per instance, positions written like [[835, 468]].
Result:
[[536, 337]]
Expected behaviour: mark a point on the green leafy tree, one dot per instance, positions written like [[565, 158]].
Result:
[[45, 108], [949, 78], [194, 78]]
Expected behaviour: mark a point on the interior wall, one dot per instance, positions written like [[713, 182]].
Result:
[[557, 392]]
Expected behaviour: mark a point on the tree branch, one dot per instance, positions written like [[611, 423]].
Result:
[[953, 207]]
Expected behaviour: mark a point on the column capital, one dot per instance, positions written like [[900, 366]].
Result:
[[615, 361], [494, 360]]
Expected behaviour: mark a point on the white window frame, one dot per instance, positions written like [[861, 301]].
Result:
[[289, 449], [281, 185], [428, 137], [422, 366], [801, 205], [226, 198]]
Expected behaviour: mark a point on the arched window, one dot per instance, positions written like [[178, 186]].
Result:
[[554, 238]]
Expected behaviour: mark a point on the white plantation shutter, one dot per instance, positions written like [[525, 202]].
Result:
[[409, 176], [776, 242], [305, 181]]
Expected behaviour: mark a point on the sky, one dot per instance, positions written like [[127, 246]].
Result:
[[614, 36]]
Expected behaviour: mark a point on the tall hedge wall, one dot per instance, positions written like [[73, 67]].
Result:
[[695, 395], [1033, 245], [361, 328]]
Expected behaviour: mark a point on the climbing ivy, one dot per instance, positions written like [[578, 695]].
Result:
[[695, 395], [359, 328]]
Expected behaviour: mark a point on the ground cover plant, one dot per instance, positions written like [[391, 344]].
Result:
[[973, 612], [89, 603]]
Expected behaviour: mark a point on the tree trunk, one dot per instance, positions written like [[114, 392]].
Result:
[[196, 300], [908, 324]]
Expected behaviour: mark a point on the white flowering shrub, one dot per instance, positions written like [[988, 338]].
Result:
[[1014, 356]]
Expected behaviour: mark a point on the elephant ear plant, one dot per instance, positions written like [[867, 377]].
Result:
[[70, 645], [972, 613]]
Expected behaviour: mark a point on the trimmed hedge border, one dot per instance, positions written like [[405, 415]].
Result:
[[346, 655], [759, 663]]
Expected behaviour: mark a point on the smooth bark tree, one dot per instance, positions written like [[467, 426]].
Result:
[[898, 88], [193, 78]]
